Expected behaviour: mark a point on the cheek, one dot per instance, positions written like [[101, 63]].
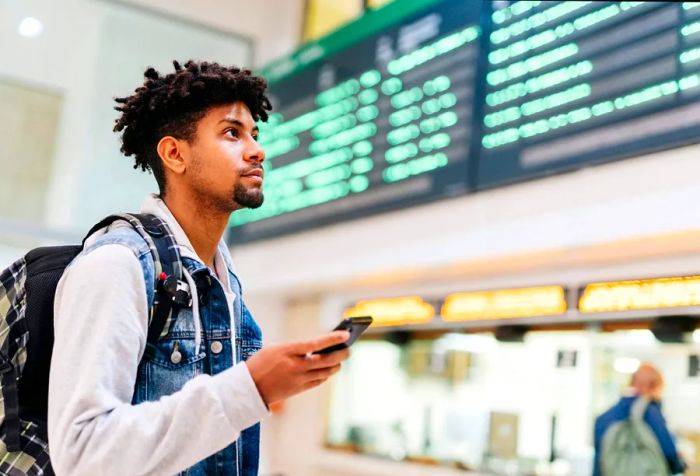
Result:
[[223, 160], [216, 167], [228, 166], [231, 155]]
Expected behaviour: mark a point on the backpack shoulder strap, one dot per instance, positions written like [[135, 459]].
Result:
[[172, 292], [639, 408], [12, 347]]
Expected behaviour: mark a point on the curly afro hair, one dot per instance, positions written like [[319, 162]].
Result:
[[173, 104]]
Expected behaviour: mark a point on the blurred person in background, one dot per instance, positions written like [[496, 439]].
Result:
[[193, 405], [620, 447]]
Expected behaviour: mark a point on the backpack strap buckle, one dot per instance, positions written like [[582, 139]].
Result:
[[177, 290]]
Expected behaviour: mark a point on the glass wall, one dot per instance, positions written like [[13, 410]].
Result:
[[522, 408], [28, 113], [63, 65]]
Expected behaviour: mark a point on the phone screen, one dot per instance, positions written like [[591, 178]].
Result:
[[355, 326]]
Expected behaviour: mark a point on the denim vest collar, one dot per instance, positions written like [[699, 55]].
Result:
[[154, 205]]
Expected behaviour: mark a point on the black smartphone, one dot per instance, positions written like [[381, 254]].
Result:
[[355, 326]]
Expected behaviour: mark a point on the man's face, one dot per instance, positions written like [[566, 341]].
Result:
[[226, 161]]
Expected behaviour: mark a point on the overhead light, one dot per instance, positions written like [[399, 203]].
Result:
[[30, 27], [505, 304], [626, 365], [394, 311], [655, 293]]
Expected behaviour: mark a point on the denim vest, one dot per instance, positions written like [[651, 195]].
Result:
[[174, 361]]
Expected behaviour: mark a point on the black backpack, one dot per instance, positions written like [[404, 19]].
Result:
[[27, 291]]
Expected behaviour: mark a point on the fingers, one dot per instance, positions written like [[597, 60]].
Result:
[[320, 361], [320, 343], [323, 373], [318, 376], [280, 372], [312, 384]]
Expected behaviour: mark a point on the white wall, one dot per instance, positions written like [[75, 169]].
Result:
[[275, 26]]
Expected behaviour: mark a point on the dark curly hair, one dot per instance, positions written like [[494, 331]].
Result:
[[174, 103]]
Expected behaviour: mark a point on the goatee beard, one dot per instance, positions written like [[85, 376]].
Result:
[[248, 197]]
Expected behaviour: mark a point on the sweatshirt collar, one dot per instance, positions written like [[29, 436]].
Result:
[[154, 205]]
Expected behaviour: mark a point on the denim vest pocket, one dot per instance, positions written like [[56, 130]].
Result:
[[249, 347], [168, 365]]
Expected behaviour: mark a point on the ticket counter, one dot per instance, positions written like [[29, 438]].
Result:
[[514, 395]]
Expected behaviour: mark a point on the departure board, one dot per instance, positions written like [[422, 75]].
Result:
[[572, 83], [381, 124], [424, 100]]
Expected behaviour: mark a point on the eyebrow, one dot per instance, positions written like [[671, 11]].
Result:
[[236, 123]]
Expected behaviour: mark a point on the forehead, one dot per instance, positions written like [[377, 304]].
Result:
[[237, 111]]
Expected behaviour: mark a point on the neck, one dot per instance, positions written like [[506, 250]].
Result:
[[203, 226]]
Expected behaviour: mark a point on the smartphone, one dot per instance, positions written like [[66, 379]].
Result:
[[355, 326]]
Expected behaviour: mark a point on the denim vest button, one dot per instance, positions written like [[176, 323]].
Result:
[[176, 357], [217, 347]]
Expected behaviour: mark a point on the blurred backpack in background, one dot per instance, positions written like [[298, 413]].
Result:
[[630, 448]]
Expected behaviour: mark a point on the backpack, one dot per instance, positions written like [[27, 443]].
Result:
[[630, 447], [27, 291]]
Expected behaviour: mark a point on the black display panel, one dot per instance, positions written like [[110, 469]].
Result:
[[574, 83], [425, 100], [382, 124]]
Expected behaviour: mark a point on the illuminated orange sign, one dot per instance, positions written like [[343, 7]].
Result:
[[505, 304], [394, 311], [641, 294]]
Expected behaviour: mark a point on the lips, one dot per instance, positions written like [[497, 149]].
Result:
[[254, 173]]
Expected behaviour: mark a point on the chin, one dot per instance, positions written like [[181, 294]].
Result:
[[255, 204], [248, 198]]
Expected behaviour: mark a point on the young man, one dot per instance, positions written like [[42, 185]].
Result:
[[192, 406], [646, 382]]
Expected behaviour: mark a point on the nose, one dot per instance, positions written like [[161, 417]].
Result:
[[254, 152]]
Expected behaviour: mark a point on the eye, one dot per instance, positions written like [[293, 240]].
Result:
[[232, 132]]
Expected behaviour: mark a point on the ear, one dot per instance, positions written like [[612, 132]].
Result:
[[174, 153]]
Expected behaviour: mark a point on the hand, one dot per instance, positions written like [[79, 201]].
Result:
[[280, 371]]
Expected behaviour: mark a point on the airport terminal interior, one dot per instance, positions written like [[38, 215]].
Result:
[[510, 189]]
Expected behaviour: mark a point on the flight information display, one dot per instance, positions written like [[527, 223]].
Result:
[[581, 82], [383, 123], [426, 100]]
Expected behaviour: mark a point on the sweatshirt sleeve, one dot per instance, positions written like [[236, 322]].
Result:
[[100, 333], [657, 422]]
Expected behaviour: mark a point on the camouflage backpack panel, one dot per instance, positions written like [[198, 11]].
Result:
[[26, 335], [33, 459]]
